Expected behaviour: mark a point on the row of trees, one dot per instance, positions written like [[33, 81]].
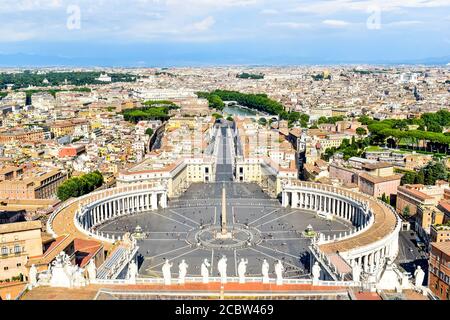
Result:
[[78, 186], [28, 78], [396, 130], [246, 75], [348, 149], [330, 120], [153, 110], [260, 102]]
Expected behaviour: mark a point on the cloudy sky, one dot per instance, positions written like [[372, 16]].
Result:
[[207, 32]]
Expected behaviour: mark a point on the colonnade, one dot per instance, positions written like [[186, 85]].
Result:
[[336, 204], [354, 208], [107, 206]]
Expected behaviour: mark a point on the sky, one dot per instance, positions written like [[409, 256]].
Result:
[[162, 33]]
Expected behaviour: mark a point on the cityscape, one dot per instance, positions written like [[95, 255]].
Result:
[[313, 180]]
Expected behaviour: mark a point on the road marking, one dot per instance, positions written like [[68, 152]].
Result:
[[277, 251], [160, 254], [285, 215], [184, 224], [264, 216], [184, 217]]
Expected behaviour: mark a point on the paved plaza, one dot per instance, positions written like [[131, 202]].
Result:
[[169, 233], [261, 228]]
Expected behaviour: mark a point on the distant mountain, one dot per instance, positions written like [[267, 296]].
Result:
[[179, 60]]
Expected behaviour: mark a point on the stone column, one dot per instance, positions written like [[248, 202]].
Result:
[[284, 199], [366, 263], [154, 201], [294, 199], [164, 200]]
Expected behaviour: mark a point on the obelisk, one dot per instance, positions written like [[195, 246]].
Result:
[[223, 234], [224, 213]]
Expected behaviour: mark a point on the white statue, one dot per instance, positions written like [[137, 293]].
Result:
[[279, 272], [419, 275], [182, 270], [222, 267], [265, 271], [32, 276], [316, 273], [356, 272], [91, 270], [62, 271], [132, 271], [242, 269], [205, 270], [78, 279], [166, 272]]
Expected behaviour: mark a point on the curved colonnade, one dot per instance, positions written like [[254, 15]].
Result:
[[375, 236], [117, 202]]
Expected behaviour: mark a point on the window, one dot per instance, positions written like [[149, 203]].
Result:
[[19, 265], [16, 249], [5, 268], [4, 251]]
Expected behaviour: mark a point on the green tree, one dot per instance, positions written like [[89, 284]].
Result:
[[149, 131], [262, 121], [406, 212], [420, 178], [361, 131]]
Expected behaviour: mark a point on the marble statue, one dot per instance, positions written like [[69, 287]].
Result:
[[166, 273], [419, 276], [279, 272], [242, 269], [356, 272], [222, 267], [182, 270], [91, 270], [132, 271], [265, 271], [205, 270], [62, 271], [32, 276], [127, 240], [78, 279], [316, 273]]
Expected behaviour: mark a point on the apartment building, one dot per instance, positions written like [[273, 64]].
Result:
[[439, 270], [18, 242]]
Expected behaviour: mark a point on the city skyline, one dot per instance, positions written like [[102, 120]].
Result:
[[235, 32]]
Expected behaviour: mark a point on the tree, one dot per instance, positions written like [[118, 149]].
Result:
[[230, 118], [406, 212], [420, 178], [361, 131], [217, 116], [262, 121], [408, 177], [149, 131], [365, 120], [78, 186]]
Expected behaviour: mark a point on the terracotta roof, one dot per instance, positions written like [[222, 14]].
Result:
[[442, 246], [377, 165], [414, 192], [375, 179]]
